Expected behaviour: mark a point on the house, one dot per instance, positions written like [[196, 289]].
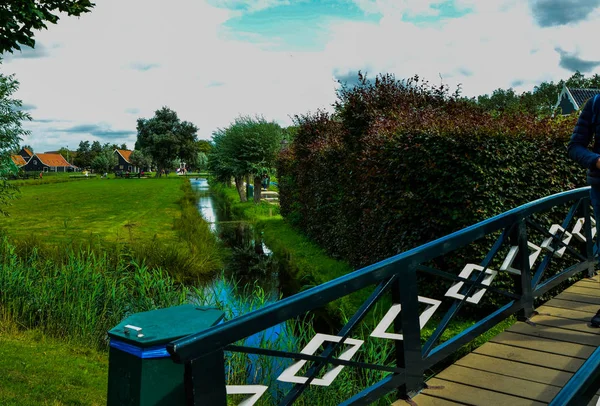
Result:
[[570, 99], [123, 163], [48, 163], [18, 160], [26, 154]]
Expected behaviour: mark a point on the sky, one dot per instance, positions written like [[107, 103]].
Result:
[[90, 78]]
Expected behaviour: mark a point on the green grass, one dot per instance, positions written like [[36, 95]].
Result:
[[40, 370], [114, 209]]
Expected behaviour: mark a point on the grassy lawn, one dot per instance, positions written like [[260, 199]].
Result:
[[37, 370], [113, 209]]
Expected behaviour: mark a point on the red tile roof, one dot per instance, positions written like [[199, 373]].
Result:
[[125, 154], [53, 159], [18, 160], [28, 151]]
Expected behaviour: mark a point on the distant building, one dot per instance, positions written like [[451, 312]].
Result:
[[123, 163], [26, 154], [48, 163], [18, 160], [570, 100]]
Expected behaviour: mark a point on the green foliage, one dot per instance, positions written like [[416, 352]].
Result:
[[401, 164], [104, 161], [11, 131], [247, 148], [18, 19], [141, 160], [165, 138]]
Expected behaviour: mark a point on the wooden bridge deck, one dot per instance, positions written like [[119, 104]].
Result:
[[525, 365]]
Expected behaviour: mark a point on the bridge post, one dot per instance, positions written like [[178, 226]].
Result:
[[204, 380], [587, 229], [408, 351], [524, 282]]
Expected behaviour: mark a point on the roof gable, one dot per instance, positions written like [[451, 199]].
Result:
[[18, 160], [52, 159], [27, 151], [125, 154]]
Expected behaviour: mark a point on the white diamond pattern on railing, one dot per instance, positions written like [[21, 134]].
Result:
[[390, 316], [465, 273], [512, 254], [579, 227], [554, 230], [255, 390], [289, 375]]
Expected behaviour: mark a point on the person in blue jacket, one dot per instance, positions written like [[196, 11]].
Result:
[[587, 132]]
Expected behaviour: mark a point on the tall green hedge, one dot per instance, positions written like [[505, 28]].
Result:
[[401, 163]]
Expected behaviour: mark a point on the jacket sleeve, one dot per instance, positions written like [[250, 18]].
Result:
[[581, 137]]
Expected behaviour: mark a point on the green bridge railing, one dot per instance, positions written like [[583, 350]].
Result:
[[566, 250]]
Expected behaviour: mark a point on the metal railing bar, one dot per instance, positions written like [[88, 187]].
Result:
[[307, 357], [582, 386], [446, 348], [557, 239], [214, 338], [456, 305], [561, 277], [456, 278], [328, 352], [374, 392]]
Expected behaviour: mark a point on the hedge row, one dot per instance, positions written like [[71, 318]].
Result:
[[401, 163]]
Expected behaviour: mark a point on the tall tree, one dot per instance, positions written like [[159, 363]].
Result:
[[141, 160], [248, 147], [83, 158], [11, 131], [18, 19], [104, 161], [165, 138]]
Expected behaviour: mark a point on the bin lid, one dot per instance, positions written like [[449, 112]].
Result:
[[156, 327]]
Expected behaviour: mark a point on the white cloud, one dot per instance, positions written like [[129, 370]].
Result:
[[127, 59]]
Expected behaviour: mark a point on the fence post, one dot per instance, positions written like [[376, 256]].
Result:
[[204, 380], [587, 229], [524, 284], [405, 292]]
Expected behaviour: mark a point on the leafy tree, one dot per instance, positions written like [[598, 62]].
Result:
[[105, 161], [201, 163], [204, 146], [28, 147], [19, 18], [141, 160], [249, 146], [11, 131], [123, 146], [83, 157], [165, 138], [66, 154]]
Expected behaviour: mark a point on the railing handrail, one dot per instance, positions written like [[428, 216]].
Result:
[[217, 337]]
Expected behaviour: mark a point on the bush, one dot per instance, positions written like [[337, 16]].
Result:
[[401, 163]]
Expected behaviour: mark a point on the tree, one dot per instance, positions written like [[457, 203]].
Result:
[[11, 131], [249, 146], [123, 147], [139, 159], [165, 138], [19, 18], [105, 161], [65, 154], [204, 146], [28, 147], [83, 158]]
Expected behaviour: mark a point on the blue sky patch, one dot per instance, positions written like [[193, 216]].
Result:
[[299, 26], [445, 11]]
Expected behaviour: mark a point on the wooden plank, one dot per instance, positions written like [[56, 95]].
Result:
[[426, 400], [532, 357], [557, 333], [579, 298], [499, 383], [516, 369], [587, 291], [583, 327], [591, 308], [544, 344], [583, 317], [472, 395]]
